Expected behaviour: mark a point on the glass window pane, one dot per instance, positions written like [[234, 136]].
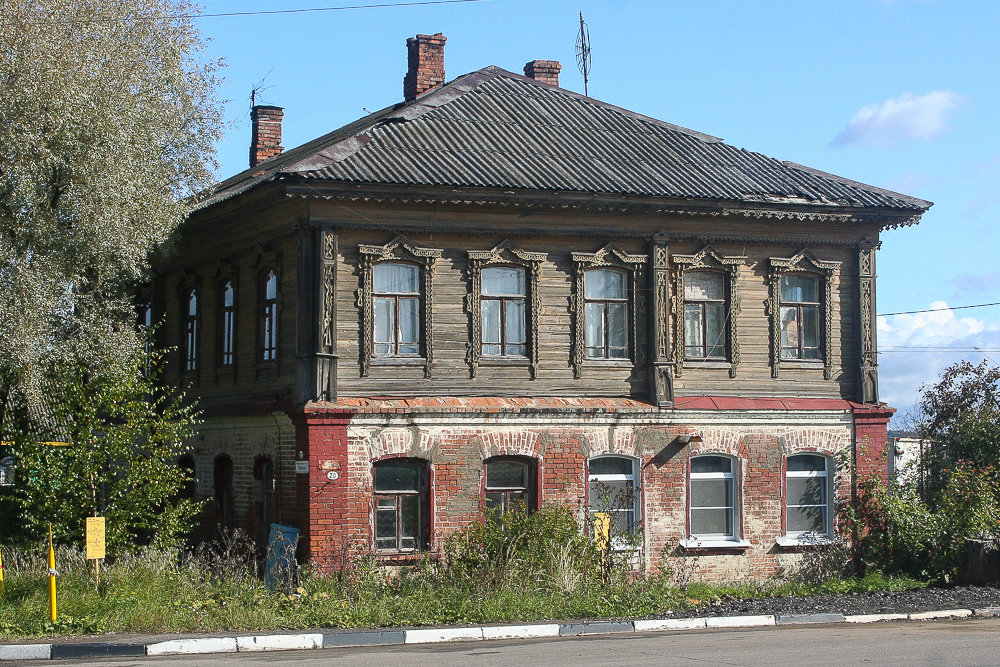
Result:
[[607, 495], [711, 464], [710, 492], [398, 475], [271, 286], [810, 326], [711, 522], [806, 462], [797, 287], [704, 285], [393, 277], [385, 523], [789, 329], [494, 502], [806, 490], [385, 324], [595, 329], [617, 330], [715, 329], [515, 321], [604, 284], [229, 295], [409, 520], [611, 465], [193, 303], [491, 323], [507, 475], [801, 519], [409, 326], [692, 330], [503, 281]]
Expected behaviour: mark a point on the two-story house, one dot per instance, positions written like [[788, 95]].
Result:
[[501, 291]]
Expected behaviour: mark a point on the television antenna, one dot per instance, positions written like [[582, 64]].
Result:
[[583, 53]]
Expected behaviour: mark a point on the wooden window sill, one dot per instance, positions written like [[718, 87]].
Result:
[[398, 361], [707, 363], [504, 361]]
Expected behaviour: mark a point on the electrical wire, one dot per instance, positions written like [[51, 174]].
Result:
[[133, 19], [940, 310]]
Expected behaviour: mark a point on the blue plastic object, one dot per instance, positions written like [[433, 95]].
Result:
[[280, 566]]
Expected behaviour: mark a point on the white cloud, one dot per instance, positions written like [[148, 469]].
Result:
[[903, 371], [912, 183], [904, 118]]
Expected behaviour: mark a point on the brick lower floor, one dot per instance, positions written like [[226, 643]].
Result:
[[718, 487]]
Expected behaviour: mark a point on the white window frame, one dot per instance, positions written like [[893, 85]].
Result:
[[716, 540], [8, 471], [795, 538], [619, 543]]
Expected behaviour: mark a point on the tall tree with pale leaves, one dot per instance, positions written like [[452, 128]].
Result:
[[108, 122]]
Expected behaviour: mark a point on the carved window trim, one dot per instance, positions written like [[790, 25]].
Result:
[[504, 254], [610, 256], [189, 352], [226, 273], [264, 262], [803, 261], [708, 258], [399, 249]]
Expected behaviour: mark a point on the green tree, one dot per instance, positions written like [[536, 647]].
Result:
[[108, 122], [106, 448]]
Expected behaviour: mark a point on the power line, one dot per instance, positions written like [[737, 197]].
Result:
[[940, 310], [133, 19]]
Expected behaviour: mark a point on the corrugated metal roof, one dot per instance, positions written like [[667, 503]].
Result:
[[496, 129]]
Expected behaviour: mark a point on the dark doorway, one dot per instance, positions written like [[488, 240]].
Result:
[[263, 473], [223, 493]]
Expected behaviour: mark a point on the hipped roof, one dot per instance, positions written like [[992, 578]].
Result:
[[496, 129]]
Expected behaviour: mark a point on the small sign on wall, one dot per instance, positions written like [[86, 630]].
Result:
[[333, 475], [302, 467]]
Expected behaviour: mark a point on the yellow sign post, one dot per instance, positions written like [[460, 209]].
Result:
[[1, 572], [95, 544], [52, 578]]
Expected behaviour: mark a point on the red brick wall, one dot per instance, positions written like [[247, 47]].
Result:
[[340, 514]]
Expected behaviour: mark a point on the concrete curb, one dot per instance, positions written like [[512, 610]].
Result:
[[348, 638]]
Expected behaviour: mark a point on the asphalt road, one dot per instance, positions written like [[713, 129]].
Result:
[[931, 644]]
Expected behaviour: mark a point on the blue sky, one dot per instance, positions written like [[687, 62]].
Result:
[[901, 94]]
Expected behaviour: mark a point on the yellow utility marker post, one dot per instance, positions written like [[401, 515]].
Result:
[[95, 544], [1, 572], [52, 578]]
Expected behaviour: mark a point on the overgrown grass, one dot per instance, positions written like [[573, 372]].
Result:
[[526, 568]]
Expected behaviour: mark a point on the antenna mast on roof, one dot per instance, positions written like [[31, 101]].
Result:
[[583, 53]]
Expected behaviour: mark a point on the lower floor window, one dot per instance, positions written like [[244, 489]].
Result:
[[510, 484], [713, 498], [400, 505], [613, 499], [807, 495]]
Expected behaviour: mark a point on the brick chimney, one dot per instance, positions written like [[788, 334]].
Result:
[[546, 71], [425, 60], [265, 141]]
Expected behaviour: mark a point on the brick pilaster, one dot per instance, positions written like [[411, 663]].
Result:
[[330, 518]]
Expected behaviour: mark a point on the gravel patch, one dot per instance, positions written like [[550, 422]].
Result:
[[849, 604]]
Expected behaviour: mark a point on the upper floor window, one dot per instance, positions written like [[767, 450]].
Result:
[[807, 496], [704, 315], [800, 317], [269, 317], [503, 311], [397, 308], [400, 504], [510, 484], [713, 498], [614, 498], [227, 328], [190, 330], [606, 315]]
